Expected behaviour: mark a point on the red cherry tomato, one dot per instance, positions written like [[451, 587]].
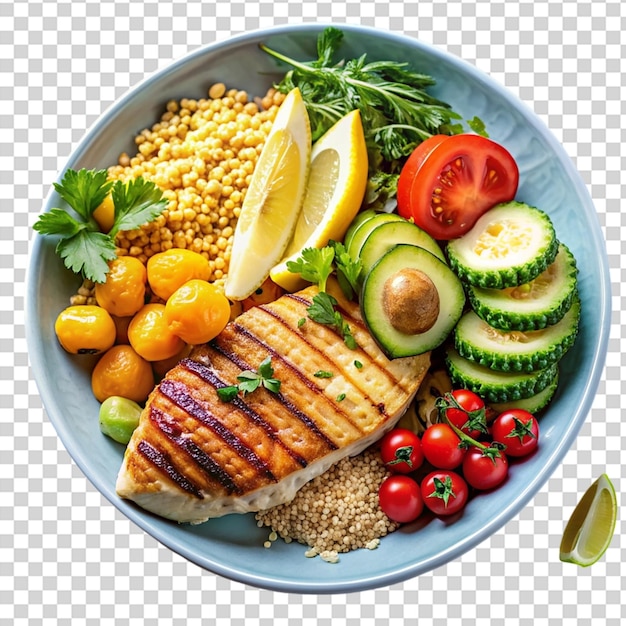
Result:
[[485, 471], [440, 445], [466, 411], [518, 430], [401, 451], [412, 165], [400, 498], [444, 492], [447, 188]]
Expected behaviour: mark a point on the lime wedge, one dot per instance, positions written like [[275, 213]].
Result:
[[589, 530]]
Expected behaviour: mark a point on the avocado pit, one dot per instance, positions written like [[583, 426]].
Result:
[[411, 301]]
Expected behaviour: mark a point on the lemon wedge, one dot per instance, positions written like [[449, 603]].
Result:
[[273, 200], [334, 194], [589, 530]]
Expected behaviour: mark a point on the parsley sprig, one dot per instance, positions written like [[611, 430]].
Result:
[[397, 111], [82, 246], [315, 265], [250, 381]]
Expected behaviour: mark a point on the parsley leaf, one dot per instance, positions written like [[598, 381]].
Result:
[[83, 248], [87, 252], [84, 190], [250, 381], [227, 394], [315, 265], [136, 202], [322, 310], [348, 270], [323, 374]]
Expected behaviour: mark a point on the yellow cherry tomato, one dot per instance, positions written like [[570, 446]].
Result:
[[150, 336], [124, 290], [85, 329], [267, 292], [105, 214], [197, 311], [122, 372], [169, 270]]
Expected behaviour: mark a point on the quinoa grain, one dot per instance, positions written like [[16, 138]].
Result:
[[337, 511]]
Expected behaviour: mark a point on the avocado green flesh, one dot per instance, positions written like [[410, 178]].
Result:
[[396, 344], [388, 234]]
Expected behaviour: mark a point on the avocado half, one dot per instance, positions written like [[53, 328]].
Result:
[[451, 301]]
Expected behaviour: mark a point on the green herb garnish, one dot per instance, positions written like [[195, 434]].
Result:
[[322, 311], [348, 270], [315, 265], [250, 381], [323, 374], [84, 249], [396, 110]]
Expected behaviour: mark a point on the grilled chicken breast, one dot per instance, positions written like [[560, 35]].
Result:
[[195, 457]]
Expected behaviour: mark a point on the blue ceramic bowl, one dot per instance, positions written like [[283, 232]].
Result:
[[233, 546]]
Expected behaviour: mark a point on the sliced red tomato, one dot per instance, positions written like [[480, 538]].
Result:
[[447, 184], [411, 167]]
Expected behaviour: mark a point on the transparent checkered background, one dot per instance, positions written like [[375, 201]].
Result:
[[66, 555]]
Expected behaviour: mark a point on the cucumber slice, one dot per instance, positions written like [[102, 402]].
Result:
[[534, 404], [509, 245], [359, 219], [365, 228], [515, 351], [494, 386], [385, 236], [541, 302], [400, 259]]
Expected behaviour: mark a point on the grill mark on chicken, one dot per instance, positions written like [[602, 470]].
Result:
[[280, 360], [176, 392], [163, 461], [293, 410], [207, 375], [173, 433]]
